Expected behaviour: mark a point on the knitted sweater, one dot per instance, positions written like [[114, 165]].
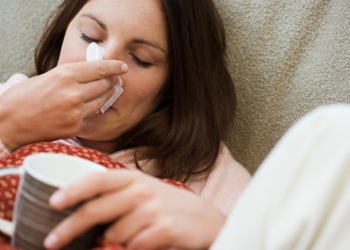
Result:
[[221, 186]]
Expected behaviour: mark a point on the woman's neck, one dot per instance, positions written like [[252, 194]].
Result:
[[106, 147]]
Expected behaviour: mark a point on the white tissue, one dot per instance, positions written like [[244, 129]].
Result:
[[95, 52]]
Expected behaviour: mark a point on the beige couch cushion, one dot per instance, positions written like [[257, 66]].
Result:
[[21, 24], [286, 57]]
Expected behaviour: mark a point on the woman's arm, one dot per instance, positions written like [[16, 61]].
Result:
[[13, 80], [54, 105]]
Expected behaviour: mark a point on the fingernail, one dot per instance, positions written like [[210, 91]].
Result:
[[51, 240], [124, 67], [57, 198]]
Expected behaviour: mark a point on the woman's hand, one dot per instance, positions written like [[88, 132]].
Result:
[[146, 212], [54, 105]]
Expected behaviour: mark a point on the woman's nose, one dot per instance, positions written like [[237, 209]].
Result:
[[112, 52]]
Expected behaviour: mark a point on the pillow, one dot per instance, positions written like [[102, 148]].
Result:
[[9, 183]]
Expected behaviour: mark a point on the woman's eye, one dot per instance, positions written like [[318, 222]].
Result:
[[88, 39], [140, 63]]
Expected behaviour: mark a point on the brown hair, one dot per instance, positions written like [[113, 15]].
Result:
[[184, 134]]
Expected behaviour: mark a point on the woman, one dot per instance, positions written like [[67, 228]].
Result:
[[172, 117]]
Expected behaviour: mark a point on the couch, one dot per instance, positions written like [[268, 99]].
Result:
[[286, 58]]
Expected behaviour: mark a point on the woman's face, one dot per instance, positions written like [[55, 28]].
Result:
[[132, 31]]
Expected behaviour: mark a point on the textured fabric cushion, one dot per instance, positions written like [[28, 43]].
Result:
[[9, 183], [285, 56]]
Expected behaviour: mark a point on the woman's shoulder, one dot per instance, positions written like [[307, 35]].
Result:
[[227, 161], [223, 185]]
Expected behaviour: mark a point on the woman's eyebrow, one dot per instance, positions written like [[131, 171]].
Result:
[[153, 44], [135, 40], [99, 22]]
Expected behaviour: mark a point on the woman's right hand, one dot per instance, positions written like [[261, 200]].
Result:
[[141, 211], [54, 105]]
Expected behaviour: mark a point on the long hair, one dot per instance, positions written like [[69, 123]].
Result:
[[184, 134]]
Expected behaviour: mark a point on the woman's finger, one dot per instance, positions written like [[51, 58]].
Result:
[[94, 70], [156, 236], [95, 89], [90, 186], [128, 226], [97, 211], [93, 106]]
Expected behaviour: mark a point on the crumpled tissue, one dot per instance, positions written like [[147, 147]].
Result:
[[95, 52]]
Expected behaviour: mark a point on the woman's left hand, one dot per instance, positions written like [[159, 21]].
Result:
[[146, 212]]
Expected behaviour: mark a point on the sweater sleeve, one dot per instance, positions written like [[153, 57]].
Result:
[[3, 150], [224, 183], [13, 80]]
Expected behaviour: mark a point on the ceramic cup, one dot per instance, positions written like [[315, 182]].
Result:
[[40, 175]]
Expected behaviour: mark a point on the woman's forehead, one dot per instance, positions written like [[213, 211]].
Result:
[[144, 17], [147, 9]]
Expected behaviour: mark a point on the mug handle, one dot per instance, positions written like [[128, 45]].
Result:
[[7, 227]]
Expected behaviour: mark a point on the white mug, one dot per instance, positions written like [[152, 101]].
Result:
[[40, 175]]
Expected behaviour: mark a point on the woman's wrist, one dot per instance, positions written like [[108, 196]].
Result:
[[6, 144]]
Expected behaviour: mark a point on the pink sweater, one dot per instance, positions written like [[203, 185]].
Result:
[[221, 186]]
